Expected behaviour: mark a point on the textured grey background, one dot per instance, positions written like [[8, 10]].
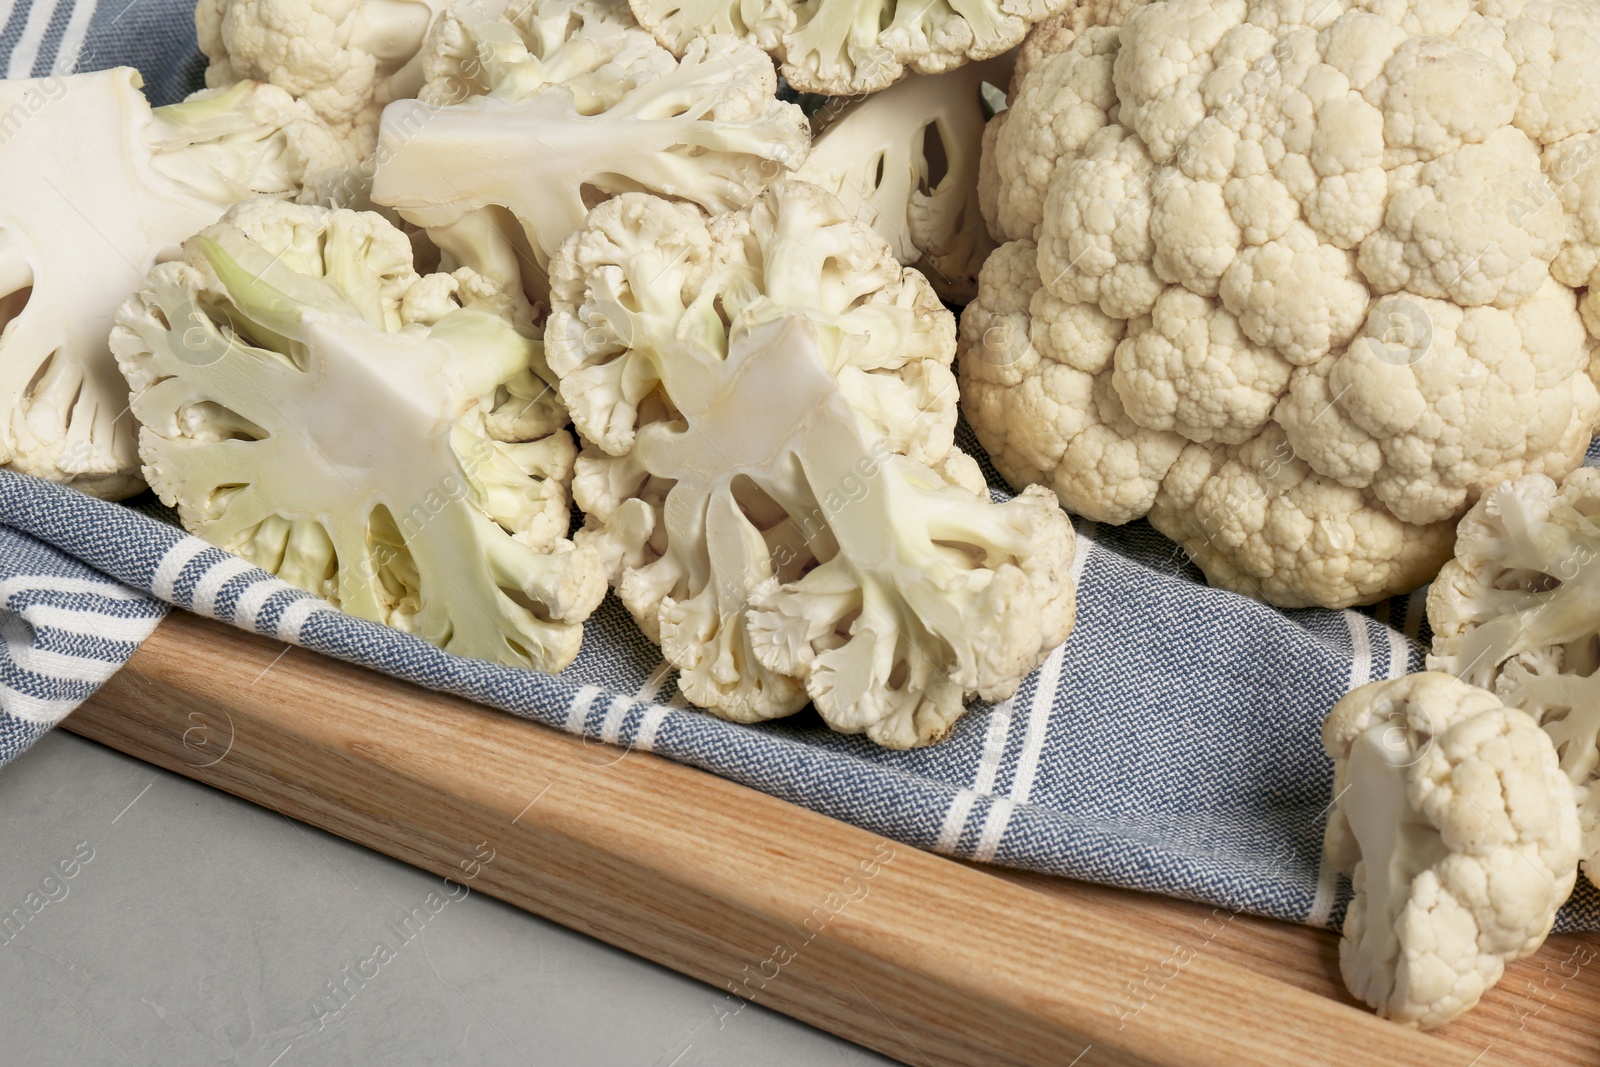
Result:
[[204, 928]]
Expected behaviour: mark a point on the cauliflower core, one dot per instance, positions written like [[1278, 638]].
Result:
[[383, 439], [848, 47], [1276, 279], [771, 471], [527, 121], [1457, 829], [1518, 611], [98, 188]]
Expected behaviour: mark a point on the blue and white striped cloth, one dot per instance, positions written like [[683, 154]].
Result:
[[1172, 744]]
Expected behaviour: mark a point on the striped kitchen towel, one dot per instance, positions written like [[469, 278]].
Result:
[[1172, 744]]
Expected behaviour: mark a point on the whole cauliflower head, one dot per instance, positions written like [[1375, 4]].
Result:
[[1457, 829], [849, 47], [1298, 235], [528, 120], [386, 440], [769, 468], [1518, 611], [100, 187], [344, 58]]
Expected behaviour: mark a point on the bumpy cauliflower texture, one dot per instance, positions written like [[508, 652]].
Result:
[[345, 58], [835, 546], [1518, 611], [1456, 826], [846, 47], [527, 121], [1295, 281], [386, 440], [98, 188]]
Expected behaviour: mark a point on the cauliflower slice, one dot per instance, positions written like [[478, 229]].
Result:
[[849, 47], [1358, 231], [100, 187], [527, 121], [845, 552], [1518, 611], [1457, 828], [906, 161], [344, 58], [386, 440]]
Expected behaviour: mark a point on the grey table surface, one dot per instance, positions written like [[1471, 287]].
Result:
[[170, 924]]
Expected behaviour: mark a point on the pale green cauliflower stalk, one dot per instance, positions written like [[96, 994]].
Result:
[[383, 439], [771, 475], [528, 120], [98, 188], [344, 58], [846, 47], [906, 161], [1457, 829], [1294, 281], [1518, 611]]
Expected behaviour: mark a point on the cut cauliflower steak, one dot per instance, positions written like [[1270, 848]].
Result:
[[383, 439], [527, 120], [906, 161], [99, 187], [1457, 828], [1518, 611], [771, 471], [849, 47], [1296, 283]]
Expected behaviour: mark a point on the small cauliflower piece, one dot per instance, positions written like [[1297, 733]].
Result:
[[344, 58], [1518, 611], [528, 120], [386, 440], [770, 468], [906, 161], [1457, 828], [850, 47], [98, 188], [1357, 232]]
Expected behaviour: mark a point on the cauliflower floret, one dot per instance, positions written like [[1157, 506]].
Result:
[[848, 47], [1261, 522], [1436, 403], [1574, 177], [99, 187], [848, 554], [1457, 829], [528, 120], [1190, 368], [1518, 611], [1056, 106], [906, 161], [388, 441], [345, 58], [1358, 232], [1037, 366]]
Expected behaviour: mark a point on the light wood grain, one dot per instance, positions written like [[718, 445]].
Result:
[[933, 962], [1545, 1011]]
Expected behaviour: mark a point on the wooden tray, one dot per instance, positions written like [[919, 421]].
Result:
[[925, 959]]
